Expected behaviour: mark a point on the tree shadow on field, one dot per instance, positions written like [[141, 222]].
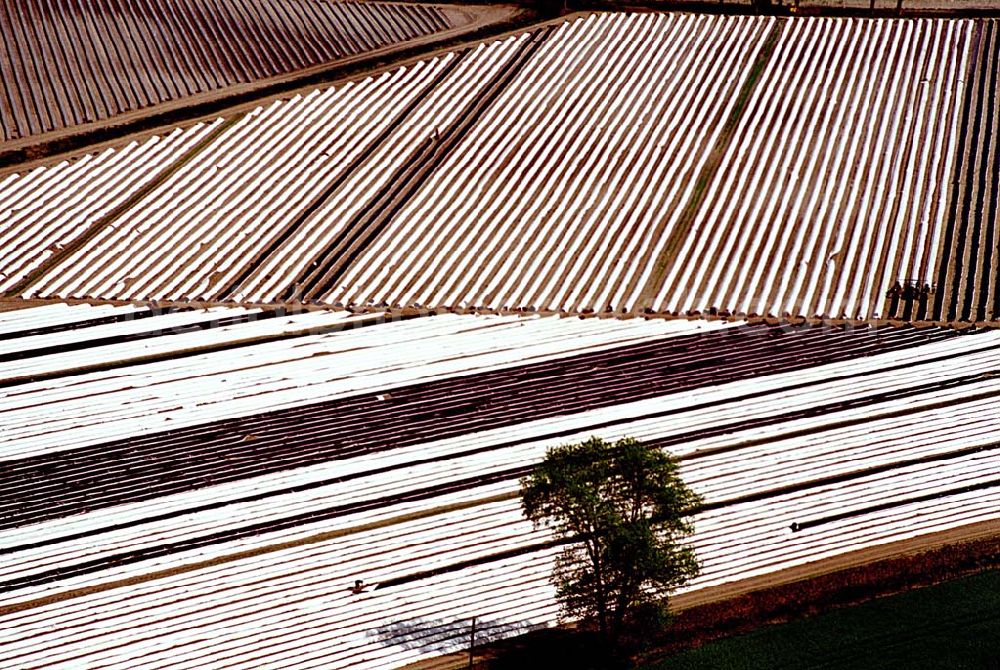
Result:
[[556, 648], [446, 635], [511, 645]]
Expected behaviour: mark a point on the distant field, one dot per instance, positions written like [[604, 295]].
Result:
[[953, 625], [673, 164], [65, 62]]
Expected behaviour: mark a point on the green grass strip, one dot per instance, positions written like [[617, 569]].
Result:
[[951, 625], [686, 221]]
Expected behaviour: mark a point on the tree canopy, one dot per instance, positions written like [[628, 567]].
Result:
[[623, 510]]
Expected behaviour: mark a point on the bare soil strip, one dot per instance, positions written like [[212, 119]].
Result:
[[985, 534]]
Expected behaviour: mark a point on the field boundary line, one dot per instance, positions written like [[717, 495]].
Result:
[[110, 217], [485, 23], [17, 302]]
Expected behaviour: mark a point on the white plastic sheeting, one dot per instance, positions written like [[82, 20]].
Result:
[[893, 428]]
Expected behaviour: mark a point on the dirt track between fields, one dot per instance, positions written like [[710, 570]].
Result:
[[826, 566], [741, 606], [476, 23]]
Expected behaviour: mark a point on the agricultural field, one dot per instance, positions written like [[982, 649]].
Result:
[[612, 163], [967, 280], [950, 625], [336, 329], [67, 63], [192, 487], [241, 199], [331, 225], [48, 208], [834, 185]]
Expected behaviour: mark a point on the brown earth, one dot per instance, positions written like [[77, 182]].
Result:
[[9, 302], [847, 579], [473, 24]]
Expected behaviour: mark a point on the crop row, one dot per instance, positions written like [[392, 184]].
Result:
[[879, 435], [834, 186], [68, 62], [967, 281], [617, 162], [296, 360], [256, 187], [59, 483], [45, 210], [563, 193], [273, 210]]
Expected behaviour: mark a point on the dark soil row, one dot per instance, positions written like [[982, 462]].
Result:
[[968, 273], [142, 468], [474, 481]]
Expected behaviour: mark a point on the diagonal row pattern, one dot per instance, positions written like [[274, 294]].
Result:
[[45, 210], [611, 163], [969, 280], [70, 62], [559, 197]]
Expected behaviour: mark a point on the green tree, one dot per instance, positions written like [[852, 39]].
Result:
[[624, 511]]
